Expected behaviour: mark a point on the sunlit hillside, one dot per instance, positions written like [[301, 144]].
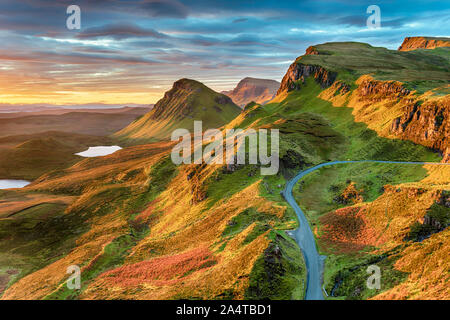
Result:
[[141, 227]]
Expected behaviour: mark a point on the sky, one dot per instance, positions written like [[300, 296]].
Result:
[[131, 51]]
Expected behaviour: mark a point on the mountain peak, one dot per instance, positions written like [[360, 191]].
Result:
[[413, 43], [186, 83], [253, 89], [188, 100]]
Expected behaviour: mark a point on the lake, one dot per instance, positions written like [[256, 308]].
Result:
[[98, 151], [7, 184]]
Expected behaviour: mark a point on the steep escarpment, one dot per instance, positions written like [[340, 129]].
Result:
[[395, 111], [252, 89], [298, 72], [399, 95], [427, 124], [186, 102], [413, 43]]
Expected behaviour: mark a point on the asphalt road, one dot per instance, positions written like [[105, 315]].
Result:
[[304, 236]]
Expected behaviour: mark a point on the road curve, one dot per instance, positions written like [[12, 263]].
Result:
[[304, 236]]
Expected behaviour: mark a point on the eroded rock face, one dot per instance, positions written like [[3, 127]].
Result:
[[382, 89], [427, 124], [413, 43], [312, 51], [421, 119], [298, 72], [446, 158]]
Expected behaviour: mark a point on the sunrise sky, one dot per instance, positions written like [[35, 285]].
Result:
[[132, 51]]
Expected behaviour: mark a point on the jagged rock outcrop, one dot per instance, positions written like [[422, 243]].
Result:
[[311, 50], [298, 72], [292, 159], [427, 124], [413, 43], [251, 89], [446, 158], [394, 109]]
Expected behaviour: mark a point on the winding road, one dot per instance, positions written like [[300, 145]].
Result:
[[304, 236]]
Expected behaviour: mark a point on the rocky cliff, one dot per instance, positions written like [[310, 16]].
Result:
[[252, 89], [298, 72], [412, 43], [427, 124], [395, 111]]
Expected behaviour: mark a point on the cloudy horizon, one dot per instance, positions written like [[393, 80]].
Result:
[[130, 52]]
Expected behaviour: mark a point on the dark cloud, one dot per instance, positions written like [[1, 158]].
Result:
[[45, 57], [164, 8], [354, 20], [118, 32], [150, 44], [203, 41]]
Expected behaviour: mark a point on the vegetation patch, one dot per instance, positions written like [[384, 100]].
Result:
[[279, 273], [347, 279], [436, 220]]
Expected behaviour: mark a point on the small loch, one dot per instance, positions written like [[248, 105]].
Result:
[[99, 151], [9, 184]]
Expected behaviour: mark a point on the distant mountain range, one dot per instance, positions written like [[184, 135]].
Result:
[[48, 108]]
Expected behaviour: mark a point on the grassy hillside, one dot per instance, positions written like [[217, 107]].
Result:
[[419, 70], [133, 221], [142, 228], [189, 231], [365, 214]]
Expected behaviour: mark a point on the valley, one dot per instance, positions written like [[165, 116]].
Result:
[[31, 145], [364, 169]]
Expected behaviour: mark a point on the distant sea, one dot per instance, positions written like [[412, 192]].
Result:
[[11, 108]]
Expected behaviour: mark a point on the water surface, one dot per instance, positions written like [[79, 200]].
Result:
[[7, 183], [98, 151]]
